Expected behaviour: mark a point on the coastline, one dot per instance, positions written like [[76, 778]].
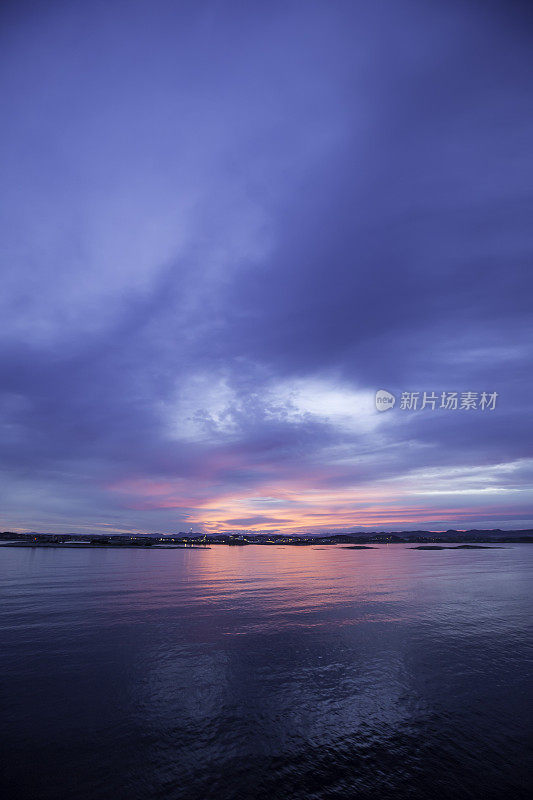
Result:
[[426, 540]]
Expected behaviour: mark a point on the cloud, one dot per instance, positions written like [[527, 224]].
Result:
[[244, 522], [225, 228]]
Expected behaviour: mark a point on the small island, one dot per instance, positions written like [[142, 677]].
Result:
[[458, 547]]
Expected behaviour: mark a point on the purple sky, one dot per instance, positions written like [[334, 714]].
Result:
[[225, 225]]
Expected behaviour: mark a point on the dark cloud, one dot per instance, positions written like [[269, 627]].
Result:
[[259, 520]]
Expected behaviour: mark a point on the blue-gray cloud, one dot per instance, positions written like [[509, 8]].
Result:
[[207, 208]]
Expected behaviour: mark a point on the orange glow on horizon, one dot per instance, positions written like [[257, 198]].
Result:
[[292, 507]]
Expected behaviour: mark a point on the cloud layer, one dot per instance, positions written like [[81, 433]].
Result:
[[225, 226]]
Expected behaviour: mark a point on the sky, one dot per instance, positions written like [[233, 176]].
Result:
[[225, 226]]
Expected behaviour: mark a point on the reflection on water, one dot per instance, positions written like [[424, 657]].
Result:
[[265, 672]]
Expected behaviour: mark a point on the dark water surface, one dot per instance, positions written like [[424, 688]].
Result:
[[265, 672]]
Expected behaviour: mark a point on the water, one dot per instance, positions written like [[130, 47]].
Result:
[[265, 672]]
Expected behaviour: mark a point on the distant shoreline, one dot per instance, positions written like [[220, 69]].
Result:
[[355, 541]]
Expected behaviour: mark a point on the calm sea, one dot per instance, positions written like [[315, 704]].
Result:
[[265, 672]]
